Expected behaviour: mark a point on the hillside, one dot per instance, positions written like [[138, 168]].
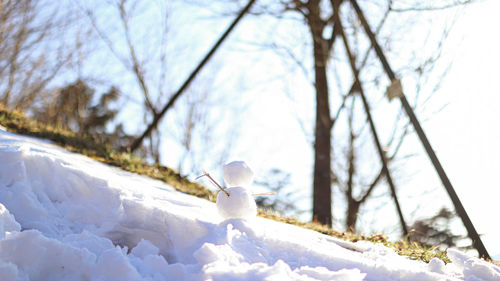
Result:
[[64, 216]]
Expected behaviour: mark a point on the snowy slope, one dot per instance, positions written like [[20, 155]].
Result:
[[66, 217]]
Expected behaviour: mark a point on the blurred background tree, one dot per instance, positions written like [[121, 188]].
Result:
[[71, 107], [32, 50], [436, 231], [283, 201]]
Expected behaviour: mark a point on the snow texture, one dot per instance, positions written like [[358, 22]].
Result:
[[237, 173], [66, 217], [240, 204]]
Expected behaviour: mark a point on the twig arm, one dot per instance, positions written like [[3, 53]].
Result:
[[205, 174]]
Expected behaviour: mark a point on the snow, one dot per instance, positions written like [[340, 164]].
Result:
[[237, 173], [240, 203], [66, 217]]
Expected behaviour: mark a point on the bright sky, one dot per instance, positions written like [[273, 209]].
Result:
[[466, 134]]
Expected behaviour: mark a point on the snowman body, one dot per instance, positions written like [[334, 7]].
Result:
[[240, 203]]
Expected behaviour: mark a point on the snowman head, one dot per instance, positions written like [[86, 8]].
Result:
[[237, 173]]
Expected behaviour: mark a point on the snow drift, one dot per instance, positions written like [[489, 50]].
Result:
[[66, 217]]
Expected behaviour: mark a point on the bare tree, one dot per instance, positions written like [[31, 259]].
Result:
[[150, 51], [147, 69], [32, 53], [421, 69], [202, 118]]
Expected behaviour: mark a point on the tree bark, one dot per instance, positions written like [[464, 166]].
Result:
[[352, 214], [352, 203], [322, 199]]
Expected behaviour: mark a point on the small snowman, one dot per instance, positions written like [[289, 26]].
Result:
[[236, 201]]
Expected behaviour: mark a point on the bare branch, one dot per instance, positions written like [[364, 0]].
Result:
[[432, 8], [137, 68]]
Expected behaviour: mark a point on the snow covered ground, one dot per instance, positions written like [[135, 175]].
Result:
[[66, 217]]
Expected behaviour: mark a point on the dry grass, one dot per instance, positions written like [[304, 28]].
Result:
[[87, 145]]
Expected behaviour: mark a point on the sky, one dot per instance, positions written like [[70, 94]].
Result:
[[465, 135]]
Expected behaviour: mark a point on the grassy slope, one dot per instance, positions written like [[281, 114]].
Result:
[[16, 122]]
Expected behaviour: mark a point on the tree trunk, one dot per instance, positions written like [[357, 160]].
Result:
[[352, 203], [352, 214], [322, 200], [322, 209]]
